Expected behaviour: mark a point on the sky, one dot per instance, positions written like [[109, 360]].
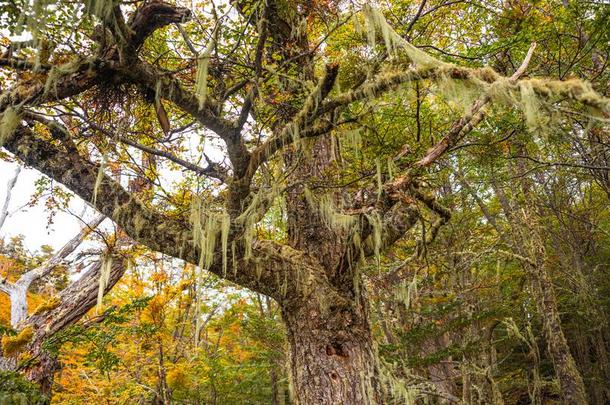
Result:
[[32, 221]]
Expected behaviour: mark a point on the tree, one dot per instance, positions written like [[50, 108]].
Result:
[[269, 83], [17, 290]]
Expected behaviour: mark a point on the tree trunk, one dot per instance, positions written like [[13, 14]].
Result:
[[570, 380], [332, 357]]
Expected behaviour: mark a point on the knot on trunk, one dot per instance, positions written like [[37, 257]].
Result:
[[336, 348]]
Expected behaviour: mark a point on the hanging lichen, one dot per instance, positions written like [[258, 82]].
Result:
[[531, 95], [256, 210], [102, 9], [398, 388], [201, 81], [531, 107], [58, 72], [207, 227], [459, 94], [377, 24], [105, 270], [329, 214], [392, 169], [353, 139], [201, 228], [225, 226], [406, 292], [374, 240], [378, 177], [99, 178]]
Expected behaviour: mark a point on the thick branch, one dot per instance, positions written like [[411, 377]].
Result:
[[73, 81], [152, 16], [79, 175], [160, 233], [74, 302], [22, 64]]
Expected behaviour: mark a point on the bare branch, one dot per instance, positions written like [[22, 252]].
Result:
[[48, 266], [7, 199], [212, 170]]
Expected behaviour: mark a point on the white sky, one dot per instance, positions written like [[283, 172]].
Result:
[[32, 221]]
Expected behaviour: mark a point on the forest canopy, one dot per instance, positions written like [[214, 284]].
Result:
[[306, 202]]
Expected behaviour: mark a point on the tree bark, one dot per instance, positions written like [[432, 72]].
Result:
[[332, 356]]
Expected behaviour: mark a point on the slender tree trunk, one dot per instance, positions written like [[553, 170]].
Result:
[[570, 380], [275, 393], [526, 237], [332, 357]]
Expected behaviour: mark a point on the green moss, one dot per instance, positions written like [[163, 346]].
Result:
[[48, 305], [13, 345], [9, 121]]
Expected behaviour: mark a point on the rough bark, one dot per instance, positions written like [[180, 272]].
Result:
[[332, 356], [570, 379]]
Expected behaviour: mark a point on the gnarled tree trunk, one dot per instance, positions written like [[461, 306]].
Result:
[[332, 357]]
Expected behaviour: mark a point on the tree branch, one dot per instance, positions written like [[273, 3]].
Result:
[[160, 233], [7, 199], [291, 130], [170, 89], [470, 120], [29, 277]]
